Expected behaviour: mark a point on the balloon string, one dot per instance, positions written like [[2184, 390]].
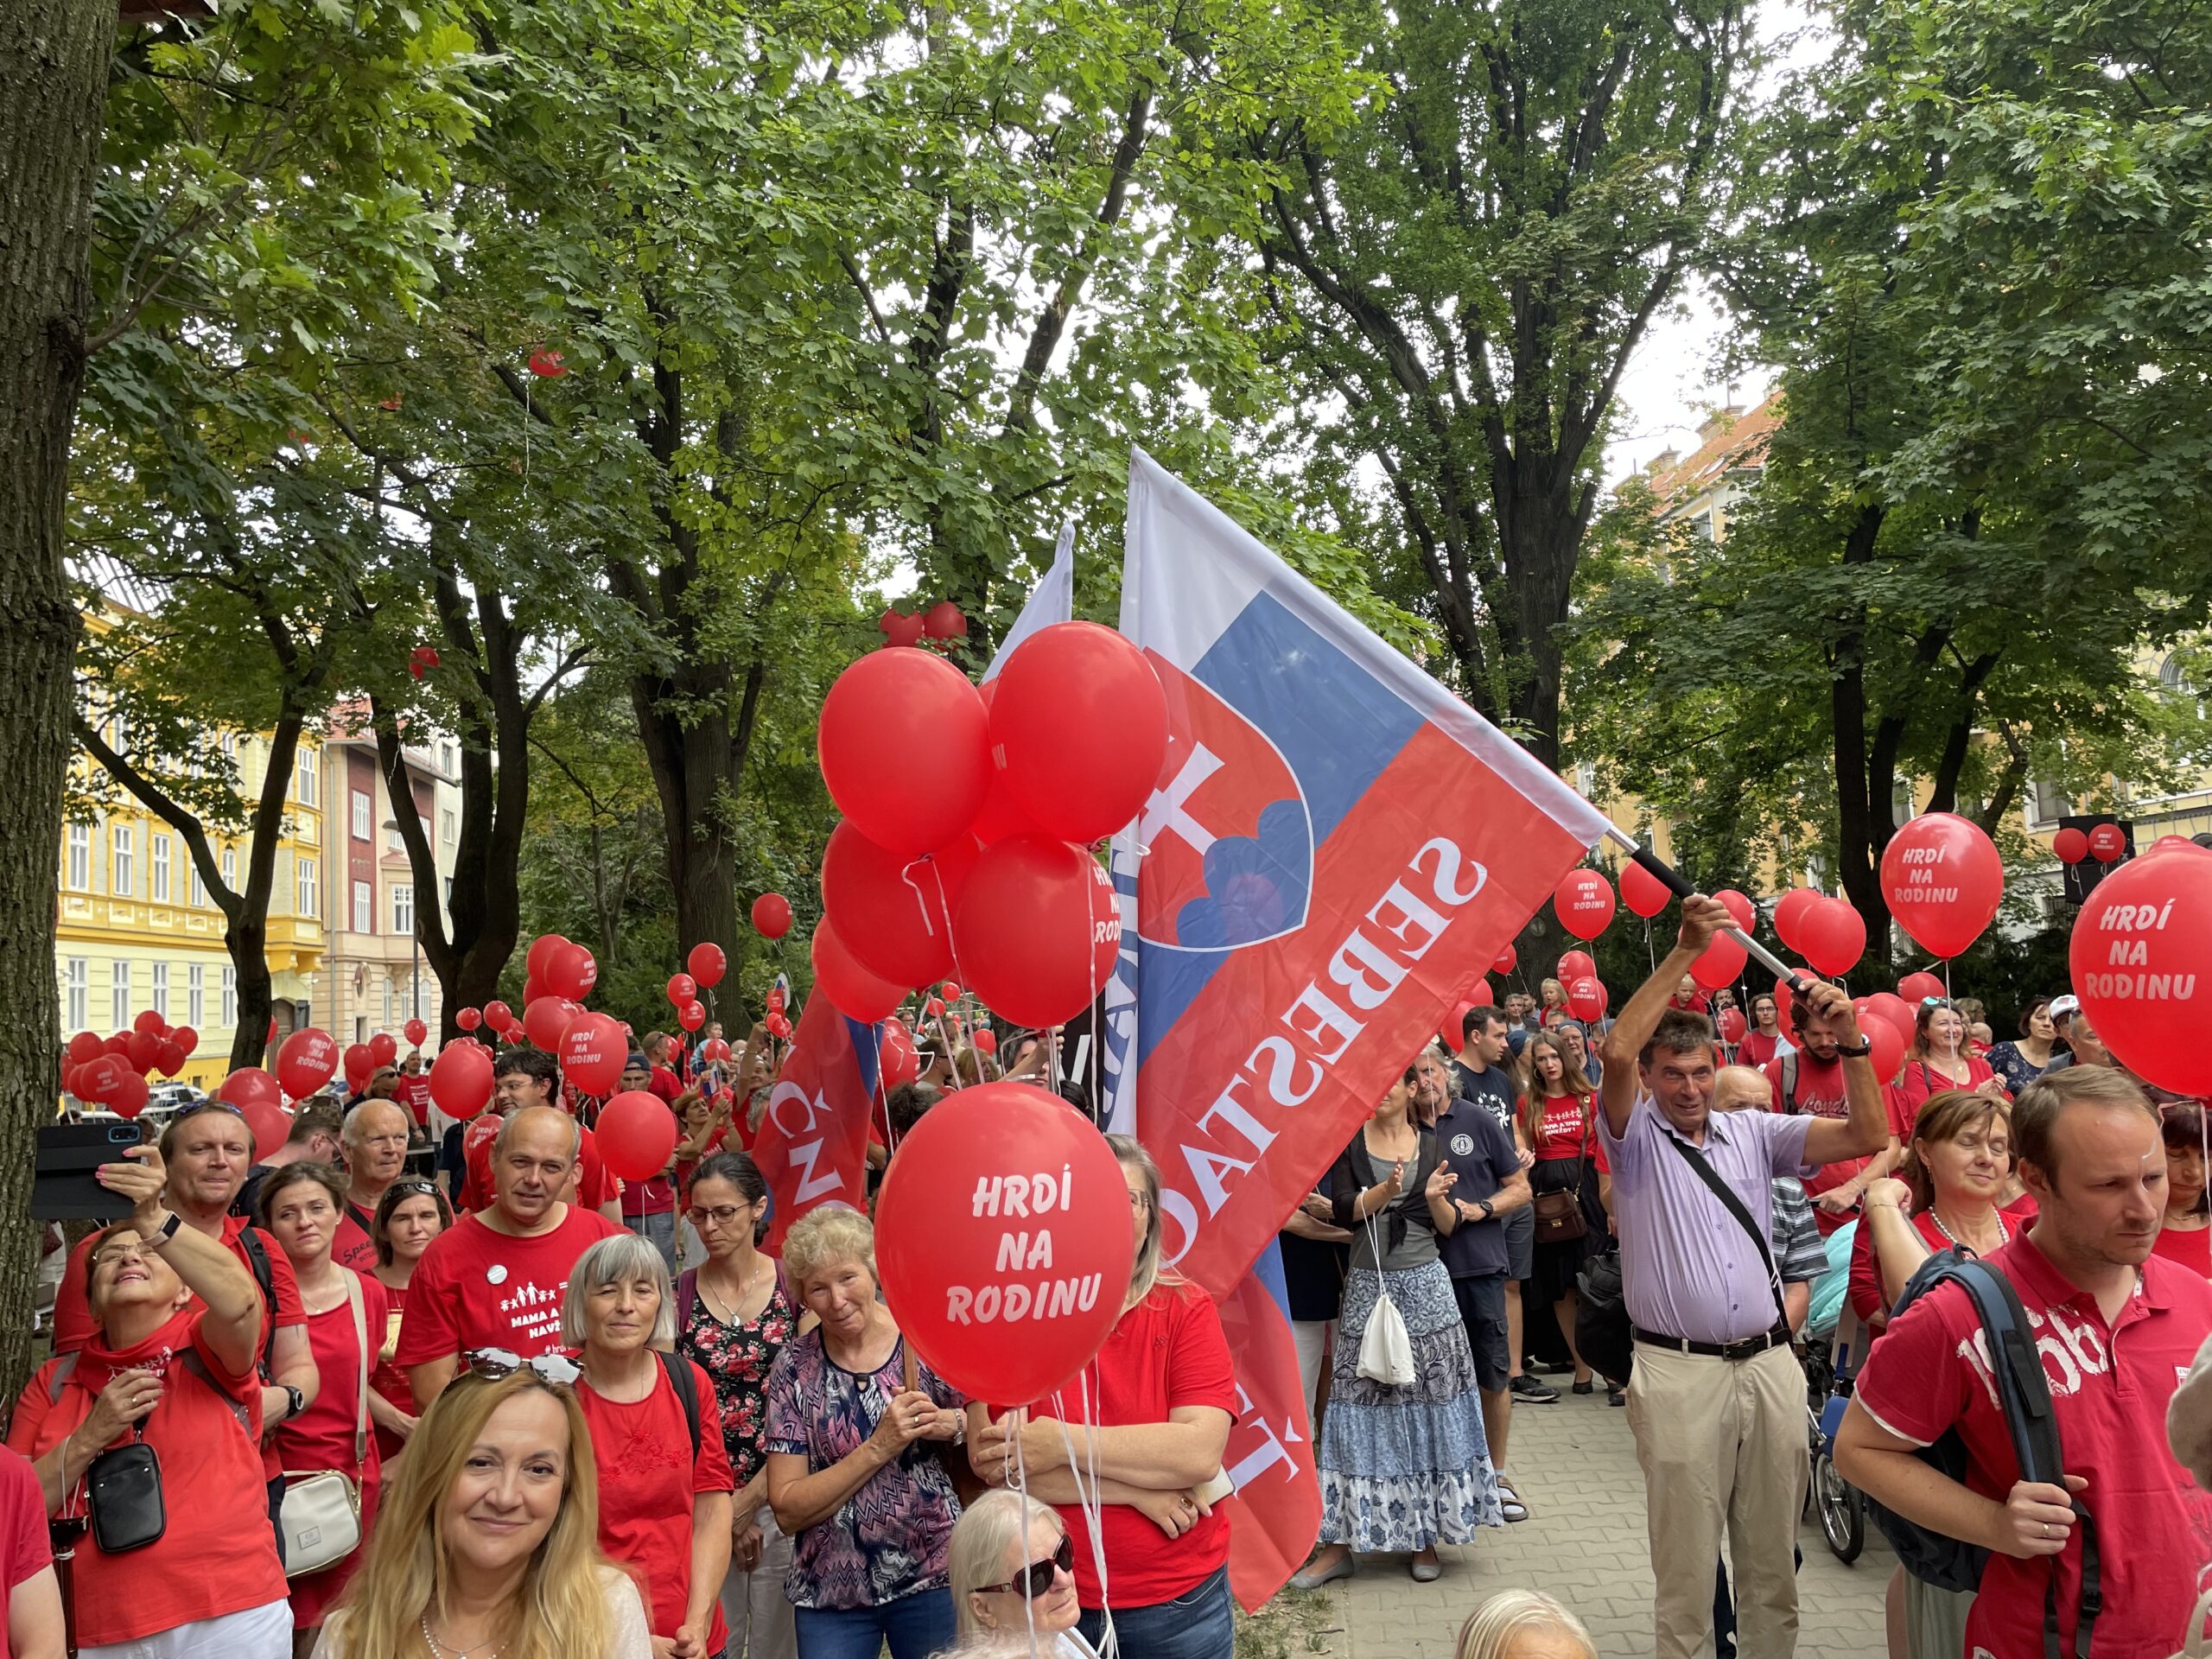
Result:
[[1019, 1418], [913, 886], [1090, 1505]]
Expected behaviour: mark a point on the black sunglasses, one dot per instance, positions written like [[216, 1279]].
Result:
[[1034, 1580], [492, 1363]]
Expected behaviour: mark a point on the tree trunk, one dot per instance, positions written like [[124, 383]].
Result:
[[53, 57], [696, 770], [1864, 825]]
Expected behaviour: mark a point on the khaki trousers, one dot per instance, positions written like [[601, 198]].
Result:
[[1722, 1443]]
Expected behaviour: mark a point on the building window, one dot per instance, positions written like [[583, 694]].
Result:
[[447, 827], [448, 759], [80, 857], [229, 996], [392, 843], [365, 919], [76, 983], [118, 996], [197, 887], [161, 1002], [388, 1021], [158, 847], [403, 909], [303, 785], [362, 815], [195, 995], [2047, 801], [231, 868], [122, 879], [303, 872], [360, 1028]]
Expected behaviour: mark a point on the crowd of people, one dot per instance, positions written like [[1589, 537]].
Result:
[[478, 1396]]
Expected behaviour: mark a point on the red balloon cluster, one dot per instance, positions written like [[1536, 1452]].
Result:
[[111, 1071], [1827, 931], [1943, 880], [1063, 748], [421, 660]]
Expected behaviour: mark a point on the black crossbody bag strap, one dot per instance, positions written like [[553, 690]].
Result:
[[1710, 1177]]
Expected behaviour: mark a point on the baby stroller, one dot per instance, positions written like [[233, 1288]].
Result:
[[1834, 1342]]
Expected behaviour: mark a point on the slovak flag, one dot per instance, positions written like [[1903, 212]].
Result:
[[1337, 848], [812, 1146]]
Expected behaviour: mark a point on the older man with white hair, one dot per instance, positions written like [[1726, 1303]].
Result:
[[375, 1144]]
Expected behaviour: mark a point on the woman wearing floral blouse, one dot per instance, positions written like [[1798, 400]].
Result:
[[734, 1316]]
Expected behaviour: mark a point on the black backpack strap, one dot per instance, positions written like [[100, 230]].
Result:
[[687, 1392], [265, 1276], [1735, 1206], [1789, 1083]]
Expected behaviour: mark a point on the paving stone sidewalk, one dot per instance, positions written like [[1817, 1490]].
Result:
[[1575, 1462]]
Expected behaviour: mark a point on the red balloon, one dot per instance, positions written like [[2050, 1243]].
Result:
[[383, 1048], [1506, 960], [2168, 844], [1740, 909], [421, 660], [943, 620], [268, 1122], [682, 989], [2141, 961], [1916, 988], [359, 1062], [1000, 816], [775, 999], [593, 1050], [499, 1016], [541, 949], [249, 1086], [636, 1134], [1079, 728], [86, 1046], [1833, 937], [98, 1078], [546, 1020], [777, 1025], [149, 1024], [2071, 844], [950, 990], [771, 915], [1584, 903], [708, 964], [1586, 997], [905, 747], [900, 629], [1887, 1005], [129, 1095], [691, 1015], [185, 1037], [1004, 1306], [985, 1042], [306, 1062], [468, 1019], [1942, 877], [461, 1079], [2107, 842], [897, 1061], [118, 1045], [1888, 1055], [852, 989], [1642, 892], [934, 1008], [1783, 999], [895, 911], [1576, 964], [1731, 1026], [142, 1049], [1721, 964], [547, 364], [570, 971], [712, 1050], [416, 1032], [1039, 929], [1789, 912]]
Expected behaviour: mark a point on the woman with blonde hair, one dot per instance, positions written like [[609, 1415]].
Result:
[[1523, 1625], [1013, 1569], [1145, 1428], [1555, 1003], [488, 1538]]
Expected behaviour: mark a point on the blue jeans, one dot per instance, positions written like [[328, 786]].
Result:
[[1197, 1624], [916, 1626], [660, 1231]]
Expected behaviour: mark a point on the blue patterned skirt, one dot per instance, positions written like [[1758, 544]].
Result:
[[1405, 1468]]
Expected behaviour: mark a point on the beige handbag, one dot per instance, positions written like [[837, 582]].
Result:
[[321, 1512]]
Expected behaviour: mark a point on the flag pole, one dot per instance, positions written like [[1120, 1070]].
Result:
[[1654, 864]]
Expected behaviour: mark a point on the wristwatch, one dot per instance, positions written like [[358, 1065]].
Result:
[[1857, 1053], [167, 1231], [1490, 1211], [294, 1401]]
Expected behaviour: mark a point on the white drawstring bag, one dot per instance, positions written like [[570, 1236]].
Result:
[[1386, 1352]]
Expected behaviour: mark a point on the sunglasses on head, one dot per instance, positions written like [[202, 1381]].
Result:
[[1034, 1580], [1936, 1002], [413, 1188], [492, 1363]]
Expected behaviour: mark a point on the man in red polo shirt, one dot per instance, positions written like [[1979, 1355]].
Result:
[[1808, 1082], [2116, 1329]]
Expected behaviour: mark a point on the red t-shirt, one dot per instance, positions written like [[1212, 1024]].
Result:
[[2109, 1388], [716, 1142], [475, 1287], [1568, 1129], [2187, 1247], [413, 1094], [23, 1548], [1696, 1002], [595, 1186], [1820, 1093], [1916, 1083], [1868, 1300], [1758, 1049], [1166, 1351], [351, 1245], [664, 1084], [647, 1482], [321, 1437], [211, 1560], [388, 1379]]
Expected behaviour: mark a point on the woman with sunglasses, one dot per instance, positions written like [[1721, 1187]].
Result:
[[1013, 1566], [2019, 1063], [299, 1207], [1936, 1060], [410, 1214], [489, 1543], [734, 1315], [656, 1435]]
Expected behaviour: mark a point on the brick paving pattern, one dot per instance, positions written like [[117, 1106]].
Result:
[[1575, 1463]]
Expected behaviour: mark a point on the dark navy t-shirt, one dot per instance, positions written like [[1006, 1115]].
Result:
[[1479, 1148]]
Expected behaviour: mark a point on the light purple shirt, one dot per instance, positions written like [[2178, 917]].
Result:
[[1688, 1267]]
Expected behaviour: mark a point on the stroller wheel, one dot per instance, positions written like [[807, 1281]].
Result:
[[1841, 1511]]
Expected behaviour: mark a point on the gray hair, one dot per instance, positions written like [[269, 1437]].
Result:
[[618, 1259], [353, 1133], [975, 1559], [1490, 1630], [823, 1237]]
